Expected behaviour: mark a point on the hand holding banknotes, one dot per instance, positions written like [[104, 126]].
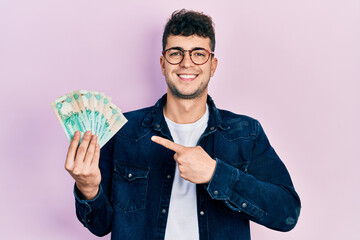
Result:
[[82, 162], [81, 114]]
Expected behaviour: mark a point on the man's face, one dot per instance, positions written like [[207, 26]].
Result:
[[187, 80]]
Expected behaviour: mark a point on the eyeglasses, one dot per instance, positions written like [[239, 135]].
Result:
[[198, 56]]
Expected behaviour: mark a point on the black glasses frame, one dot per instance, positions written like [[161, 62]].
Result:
[[211, 54]]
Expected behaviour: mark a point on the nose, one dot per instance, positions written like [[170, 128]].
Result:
[[186, 62]]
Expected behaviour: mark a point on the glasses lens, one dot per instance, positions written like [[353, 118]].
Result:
[[174, 56], [199, 56]]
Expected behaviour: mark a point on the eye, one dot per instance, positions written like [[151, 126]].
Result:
[[199, 53], [174, 54]]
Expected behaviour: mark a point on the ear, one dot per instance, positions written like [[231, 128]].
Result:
[[214, 63], [162, 64]]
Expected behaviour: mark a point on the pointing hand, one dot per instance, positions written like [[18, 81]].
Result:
[[195, 165]]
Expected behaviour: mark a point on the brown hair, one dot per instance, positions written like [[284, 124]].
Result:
[[187, 23]]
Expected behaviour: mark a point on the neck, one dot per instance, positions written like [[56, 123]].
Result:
[[185, 111]]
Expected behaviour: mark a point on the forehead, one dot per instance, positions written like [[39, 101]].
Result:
[[189, 42]]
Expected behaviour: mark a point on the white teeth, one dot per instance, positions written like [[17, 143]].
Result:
[[187, 76]]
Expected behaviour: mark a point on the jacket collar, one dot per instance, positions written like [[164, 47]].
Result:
[[156, 118]]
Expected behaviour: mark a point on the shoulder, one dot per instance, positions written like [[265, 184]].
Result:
[[238, 125], [230, 116], [138, 115]]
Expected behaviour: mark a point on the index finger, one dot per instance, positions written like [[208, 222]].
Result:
[[70, 157], [167, 143]]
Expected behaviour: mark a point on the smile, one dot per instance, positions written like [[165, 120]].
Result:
[[187, 77]]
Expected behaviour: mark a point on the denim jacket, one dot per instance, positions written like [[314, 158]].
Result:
[[250, 182]]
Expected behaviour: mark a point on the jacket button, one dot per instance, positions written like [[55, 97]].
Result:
[[290, 221], [216, 192], [202, 213], [212, 128], [244, 205], [130, 175], [163, 211], [168, 176], [157, 125]]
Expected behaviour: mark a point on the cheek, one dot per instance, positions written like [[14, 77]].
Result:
[[167, 74], [169, 71], [207, 72], [164, 70]]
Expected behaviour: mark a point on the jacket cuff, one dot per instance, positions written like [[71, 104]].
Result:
[[220, 188], [84, 208], [221, 183]]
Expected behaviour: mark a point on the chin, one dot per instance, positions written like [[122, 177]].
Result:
[[194, 94], [182, 95]]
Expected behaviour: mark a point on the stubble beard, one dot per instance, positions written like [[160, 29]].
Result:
[[198, 93]]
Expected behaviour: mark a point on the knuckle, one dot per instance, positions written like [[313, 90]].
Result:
[[91, 149], [77, 171], [81, 149], [68, 167], [182, 175], [89, 153]]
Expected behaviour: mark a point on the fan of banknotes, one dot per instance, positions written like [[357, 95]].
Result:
[[84, 110]]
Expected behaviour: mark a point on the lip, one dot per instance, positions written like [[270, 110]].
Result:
[[187, 77]]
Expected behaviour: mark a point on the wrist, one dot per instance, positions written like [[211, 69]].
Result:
[[86, 192], [211, 170]]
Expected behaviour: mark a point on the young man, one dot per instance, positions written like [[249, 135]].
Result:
[[183, 169]]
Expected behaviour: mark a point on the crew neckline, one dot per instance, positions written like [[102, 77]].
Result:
[[185, 126]]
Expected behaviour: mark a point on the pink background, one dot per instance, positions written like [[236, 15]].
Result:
[[294, 65]]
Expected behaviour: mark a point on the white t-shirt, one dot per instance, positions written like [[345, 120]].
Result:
[[182, 223]]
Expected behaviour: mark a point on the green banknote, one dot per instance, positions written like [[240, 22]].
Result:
[[84, 110]]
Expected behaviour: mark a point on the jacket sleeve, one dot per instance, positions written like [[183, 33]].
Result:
[[264, 193], [96, 214]]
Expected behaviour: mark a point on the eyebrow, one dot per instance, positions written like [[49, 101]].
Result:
[[180, 48]]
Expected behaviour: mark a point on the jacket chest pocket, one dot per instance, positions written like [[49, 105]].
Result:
[[129, 187]]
